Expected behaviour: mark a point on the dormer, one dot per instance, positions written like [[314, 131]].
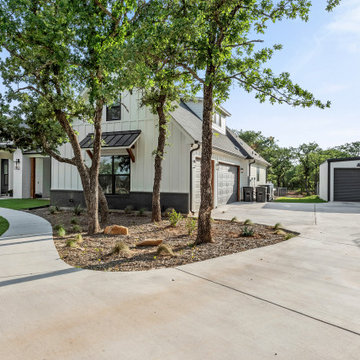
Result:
[[219, 114]]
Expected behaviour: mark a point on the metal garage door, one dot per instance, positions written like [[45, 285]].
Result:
[[227, 184], [347, 184]]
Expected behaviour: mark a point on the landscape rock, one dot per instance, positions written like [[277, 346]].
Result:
[[149, 243], [116, 230]]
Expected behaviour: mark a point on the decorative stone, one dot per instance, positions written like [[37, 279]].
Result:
[[149, 243], [116, 230]]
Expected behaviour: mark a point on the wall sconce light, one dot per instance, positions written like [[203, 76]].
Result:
[[17, 164], [242, 170]]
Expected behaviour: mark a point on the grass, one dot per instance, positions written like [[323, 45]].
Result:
[[22, 204], [303, 200], [4, 225]]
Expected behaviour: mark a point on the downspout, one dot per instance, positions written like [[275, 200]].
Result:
[[250, 163], [191, 174]]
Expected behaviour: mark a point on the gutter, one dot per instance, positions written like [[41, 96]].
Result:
[[191, 174], [250, 163]]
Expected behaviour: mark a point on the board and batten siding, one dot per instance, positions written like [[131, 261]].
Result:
[[253, 174], [175, 165]]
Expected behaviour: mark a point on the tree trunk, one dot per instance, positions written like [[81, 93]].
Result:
[[103, 207], [156, 206], [206, 204]]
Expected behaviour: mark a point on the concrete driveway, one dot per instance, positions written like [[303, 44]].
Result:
[[296, 300]]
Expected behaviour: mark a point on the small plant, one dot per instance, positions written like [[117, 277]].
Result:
[[129, 209], [57, 208], [165, 250], [289, 236], [234, 219], [60, 230], [168, 212], [141, 212], [78, 238], [58, 226], [71, 243], [248, 222], [175, 218], [190, 225], [280, 232], [121, 248], [78, 210], [247, 231], [278, 226], [52, 210], [74, 221], [77, 228]]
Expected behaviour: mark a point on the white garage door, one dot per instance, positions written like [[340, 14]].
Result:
[[227, 184]]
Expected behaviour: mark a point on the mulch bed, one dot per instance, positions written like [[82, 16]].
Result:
[[96, 252]]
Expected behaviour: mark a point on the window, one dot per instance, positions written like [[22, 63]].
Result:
[[114, 175], [113, 113], [257, 174]]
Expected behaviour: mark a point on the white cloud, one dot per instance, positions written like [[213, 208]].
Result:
[[348, 21]]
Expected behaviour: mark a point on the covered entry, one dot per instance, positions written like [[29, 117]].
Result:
[[347, 184]]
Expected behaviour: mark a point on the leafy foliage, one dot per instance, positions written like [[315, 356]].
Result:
[[247, 231], [174, 218], [191, 225]]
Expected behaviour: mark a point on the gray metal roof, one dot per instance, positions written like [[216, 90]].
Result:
[[229, 143], [113, 139]]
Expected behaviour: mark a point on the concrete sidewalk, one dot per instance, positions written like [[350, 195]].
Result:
[[296, 300]]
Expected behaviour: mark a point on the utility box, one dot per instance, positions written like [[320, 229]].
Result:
[[248, 193], [261, 194]]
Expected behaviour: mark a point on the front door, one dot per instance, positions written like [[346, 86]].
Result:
[[4, 176]]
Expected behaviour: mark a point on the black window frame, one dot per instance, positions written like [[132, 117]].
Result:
[[114, 176], [117, 105]]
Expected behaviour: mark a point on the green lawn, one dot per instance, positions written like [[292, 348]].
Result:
[[21, 204], [306, 199], [4, 225]]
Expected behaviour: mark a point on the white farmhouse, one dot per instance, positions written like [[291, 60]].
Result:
[[127, 165]]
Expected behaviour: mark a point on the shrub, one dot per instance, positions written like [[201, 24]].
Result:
[[60, 230], [77, 228], [78, 210], [74, 221], [78, 238], [247, 231], [129, 209], [248, 222], [121, 248], [58, 226], [71, 243], [190, 225], [57, 208], [141, 212], [174, 218], [234, 219], [277, 226], [280, 232], [289, 236], [52, 210], [168, 212], [165, 250]]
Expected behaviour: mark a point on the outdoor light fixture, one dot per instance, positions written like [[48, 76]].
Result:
[[17, 164], [242, 170]]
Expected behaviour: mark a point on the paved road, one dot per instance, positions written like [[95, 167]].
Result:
[[296, 300]]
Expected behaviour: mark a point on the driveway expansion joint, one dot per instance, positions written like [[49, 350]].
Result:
[[270, 302]]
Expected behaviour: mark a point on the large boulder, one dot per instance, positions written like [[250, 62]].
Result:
[[116, 230]]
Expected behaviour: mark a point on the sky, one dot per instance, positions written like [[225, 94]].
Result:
[[322, 56]]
